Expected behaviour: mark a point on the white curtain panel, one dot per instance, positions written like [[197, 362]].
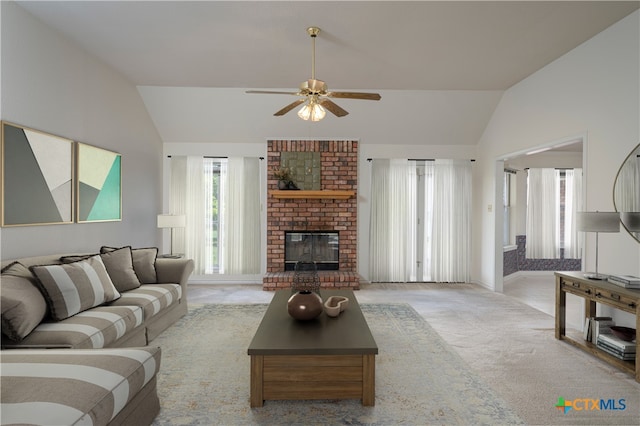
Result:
[[393, 217], [209, 171], [409, 170], [573, 204], [187, 197], [451, 224], [241, 216], [542, 199], [427, 241], [177, 199]]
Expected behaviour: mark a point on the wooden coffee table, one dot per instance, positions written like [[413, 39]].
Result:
[[325, 358]]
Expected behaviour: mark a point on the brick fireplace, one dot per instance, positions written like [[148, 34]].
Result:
[[318, 211]]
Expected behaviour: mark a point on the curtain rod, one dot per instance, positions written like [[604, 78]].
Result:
[[555, 168], [208, 156], [420, 159]]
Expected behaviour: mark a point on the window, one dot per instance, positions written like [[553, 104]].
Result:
[[507, 196], [220, 198], [212, 168], [553, 197], [420, 220]]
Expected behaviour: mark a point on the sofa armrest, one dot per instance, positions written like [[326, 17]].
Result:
[[175, 271]]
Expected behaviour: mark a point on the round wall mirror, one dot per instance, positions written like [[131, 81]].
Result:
[[626, 193]]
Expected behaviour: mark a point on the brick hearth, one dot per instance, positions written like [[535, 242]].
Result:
[[339, 171]]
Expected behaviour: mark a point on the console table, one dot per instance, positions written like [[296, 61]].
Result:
[[596, 291]]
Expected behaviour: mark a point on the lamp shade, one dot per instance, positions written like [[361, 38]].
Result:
[[631, 221], [598, 221], [171, 221], [312, 111]]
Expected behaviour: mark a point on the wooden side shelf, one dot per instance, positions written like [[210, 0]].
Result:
[[596, 292], [301, 194]]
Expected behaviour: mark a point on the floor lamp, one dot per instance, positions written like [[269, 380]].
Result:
[[598, 222], [171, 221]]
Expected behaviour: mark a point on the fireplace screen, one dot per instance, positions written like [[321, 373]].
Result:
[[320, 247]]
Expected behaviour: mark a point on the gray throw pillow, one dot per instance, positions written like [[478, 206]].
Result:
[[23, 306], [119, 264], [144, 262], [75, 287], [76, 257]]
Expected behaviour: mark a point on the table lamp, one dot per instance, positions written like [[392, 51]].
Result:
[[171, 221], [597, 222]]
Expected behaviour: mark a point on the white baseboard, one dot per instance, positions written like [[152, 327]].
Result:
[[482, 284], [523, 274], [225, 279]]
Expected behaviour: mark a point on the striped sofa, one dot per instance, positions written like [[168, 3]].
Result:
[[134, 318], [79, 386], [75, 335]]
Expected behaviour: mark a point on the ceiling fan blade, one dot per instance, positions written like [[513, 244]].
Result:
[[267, 92], [289, 107], [355, 95], [333, 107]]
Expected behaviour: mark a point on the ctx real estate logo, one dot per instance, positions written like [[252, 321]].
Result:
[[590, 404]]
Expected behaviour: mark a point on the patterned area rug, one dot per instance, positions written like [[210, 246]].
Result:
[[204, 376]]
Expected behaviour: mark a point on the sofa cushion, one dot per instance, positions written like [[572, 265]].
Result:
[[75, 287], [151, 298], [119, 264], [144, 262], [63, 387], [23, 306], [93, 329]]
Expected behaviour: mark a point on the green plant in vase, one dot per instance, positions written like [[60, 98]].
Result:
[[284, 177]]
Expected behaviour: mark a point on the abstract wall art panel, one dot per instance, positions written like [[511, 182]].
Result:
[[37, 177], [99, 184]]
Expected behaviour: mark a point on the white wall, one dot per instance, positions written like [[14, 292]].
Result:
[[592, 90], [229, 115], [52, 85]]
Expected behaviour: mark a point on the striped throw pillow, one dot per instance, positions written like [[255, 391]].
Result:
[[75, 287]]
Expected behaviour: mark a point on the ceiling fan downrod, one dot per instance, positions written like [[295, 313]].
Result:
[[313, 32]]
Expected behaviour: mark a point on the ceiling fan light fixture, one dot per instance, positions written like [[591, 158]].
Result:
[[312, 111], [314, 94]]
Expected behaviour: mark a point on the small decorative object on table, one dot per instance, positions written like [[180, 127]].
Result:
[[335, 304], [627, 334], [305, 302], [304, 305], [284, 179]]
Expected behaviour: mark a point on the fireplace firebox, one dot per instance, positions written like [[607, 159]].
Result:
[[322, 247]]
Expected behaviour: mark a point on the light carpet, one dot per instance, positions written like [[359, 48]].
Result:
[[204, 376], [512, 347]]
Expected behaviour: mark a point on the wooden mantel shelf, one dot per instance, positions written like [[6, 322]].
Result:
[[300, 194]]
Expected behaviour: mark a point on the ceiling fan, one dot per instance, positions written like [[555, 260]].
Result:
[[315, 94]]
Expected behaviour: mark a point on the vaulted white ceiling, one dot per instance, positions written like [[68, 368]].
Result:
[[477, 48]]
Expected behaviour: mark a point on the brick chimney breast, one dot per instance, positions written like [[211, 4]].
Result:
[[339, 172]]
